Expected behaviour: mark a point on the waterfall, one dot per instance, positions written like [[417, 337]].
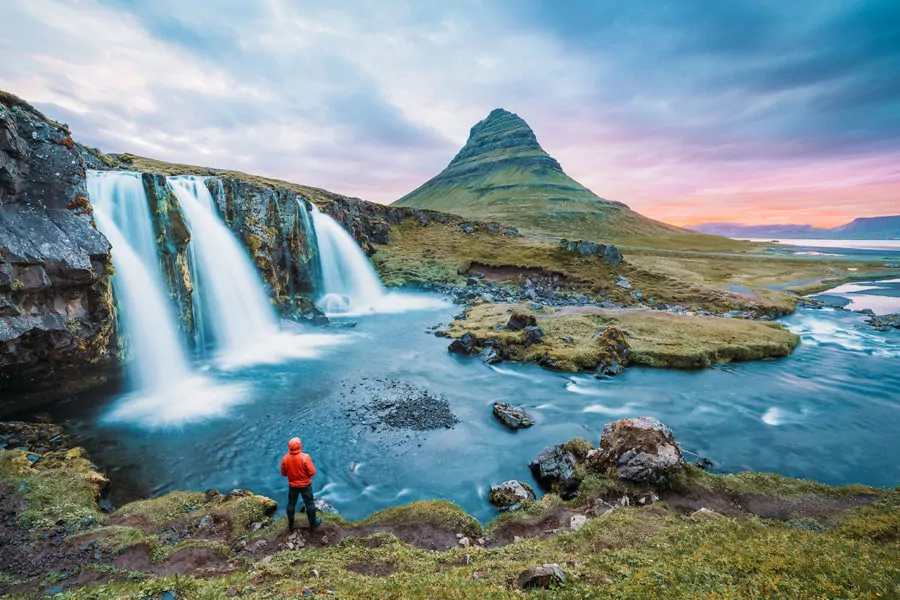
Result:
[[122, 214], [349, 281], [163, 389], [232, 301]]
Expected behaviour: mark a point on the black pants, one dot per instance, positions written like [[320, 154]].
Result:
[[309, 502]]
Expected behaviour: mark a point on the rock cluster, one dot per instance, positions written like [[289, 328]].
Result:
[[609, 253], [884, 322], [641, 450], [614, 351]]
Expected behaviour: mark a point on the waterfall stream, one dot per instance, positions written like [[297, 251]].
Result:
[[349, 281], [232, 305], [164, 391]]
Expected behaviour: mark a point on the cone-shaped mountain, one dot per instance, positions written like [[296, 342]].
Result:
[[502, 174]]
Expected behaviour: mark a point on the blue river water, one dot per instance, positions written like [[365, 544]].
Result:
[[830, 412]]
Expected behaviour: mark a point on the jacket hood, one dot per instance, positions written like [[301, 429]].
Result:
[[295, 446]]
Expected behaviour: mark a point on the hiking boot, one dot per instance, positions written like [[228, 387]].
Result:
[[315, 524]]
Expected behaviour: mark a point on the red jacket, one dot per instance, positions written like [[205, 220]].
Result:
[[296, 466]]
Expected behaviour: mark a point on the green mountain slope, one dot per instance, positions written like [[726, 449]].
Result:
[[502, 174]]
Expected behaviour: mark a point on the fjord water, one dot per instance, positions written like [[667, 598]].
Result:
[[828, 413], [161, 387]]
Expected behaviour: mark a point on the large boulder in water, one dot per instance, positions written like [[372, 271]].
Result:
[[465, 344], [641, 450], [513, 417], [510, 495]]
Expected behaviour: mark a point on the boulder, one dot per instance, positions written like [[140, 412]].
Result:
[[510, 495], [490, 355], [519, 321], [615, 350], [467, 227], [545, 576], [513, 417], [465, 344], [555, 470], [323, 505], [533, 335], [584, 248], [641, 450]]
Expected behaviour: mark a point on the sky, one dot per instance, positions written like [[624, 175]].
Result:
[[688, 111]]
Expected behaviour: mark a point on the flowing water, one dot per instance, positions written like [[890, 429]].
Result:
[[232, 303], [162, 388], [829, 412]]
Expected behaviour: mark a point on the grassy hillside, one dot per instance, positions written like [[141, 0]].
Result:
[[502, 174]]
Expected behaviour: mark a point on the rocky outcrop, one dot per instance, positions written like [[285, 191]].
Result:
[[641, 450], [555, 470], [519, 321], [609, 253], [545, 576], [510, 495], [614, 351], [56, 309], [884, 322]]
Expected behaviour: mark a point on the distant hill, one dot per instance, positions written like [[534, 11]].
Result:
[[502, 174], [864, 228]]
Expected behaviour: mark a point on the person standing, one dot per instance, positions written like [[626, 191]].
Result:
[[299, 469]]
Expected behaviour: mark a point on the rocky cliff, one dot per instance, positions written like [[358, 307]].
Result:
[[56, 309]]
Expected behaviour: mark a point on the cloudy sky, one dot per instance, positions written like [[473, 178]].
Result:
[[688, 111]]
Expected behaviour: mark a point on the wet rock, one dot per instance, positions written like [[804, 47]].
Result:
[[510, 495], [555, 470], [615, 350], [465, 344], [704, 463], [545, 576], [513, 417], [519, 321], [641, 450], [533, 335], [490, 356], [885, 322]]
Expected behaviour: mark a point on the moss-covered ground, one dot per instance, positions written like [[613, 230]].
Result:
[[656, 338]]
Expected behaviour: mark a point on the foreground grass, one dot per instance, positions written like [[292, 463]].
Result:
[[656, 339]]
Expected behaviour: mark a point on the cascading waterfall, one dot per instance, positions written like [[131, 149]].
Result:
[[350, 285], [232, 302], [164, 391], [123, 216], [349, 281]]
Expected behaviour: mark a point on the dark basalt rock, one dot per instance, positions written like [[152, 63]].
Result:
[[555, 470], [509, 495], [615, 350], [465, 344], [533, 335], [519, 321], [885, 322], [641, 450], [513, 417], [609, 253], [56, 310]]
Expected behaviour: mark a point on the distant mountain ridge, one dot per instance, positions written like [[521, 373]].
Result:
[[863, 228], [503, 174]]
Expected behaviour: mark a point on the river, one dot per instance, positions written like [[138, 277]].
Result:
[[830, 413]]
